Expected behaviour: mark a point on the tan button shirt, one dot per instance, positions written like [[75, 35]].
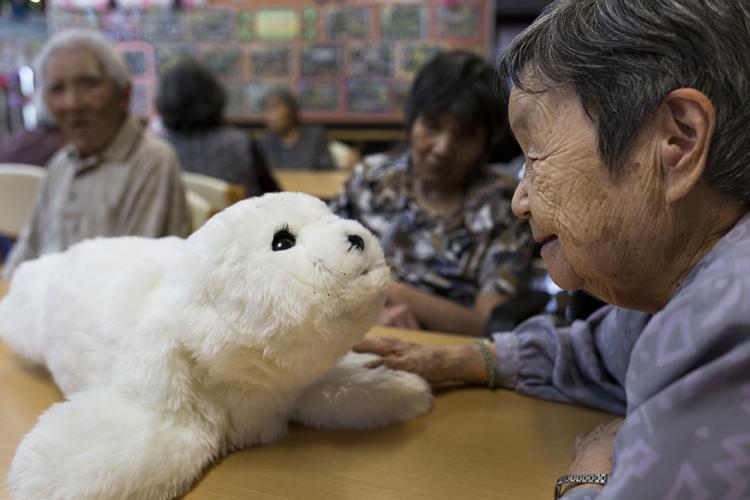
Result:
[[132, 188]]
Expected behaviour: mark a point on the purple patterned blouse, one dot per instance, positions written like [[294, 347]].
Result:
[[681, 376]]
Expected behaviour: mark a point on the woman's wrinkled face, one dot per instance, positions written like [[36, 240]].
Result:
[[597, 232], [443, 152]]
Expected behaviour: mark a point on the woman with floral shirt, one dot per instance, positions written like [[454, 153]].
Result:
[[443, 217]]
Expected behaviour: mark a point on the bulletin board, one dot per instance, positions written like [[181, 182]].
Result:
[[347, 61]]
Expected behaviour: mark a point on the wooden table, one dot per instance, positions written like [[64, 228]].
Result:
[[475, 444], [323, 184]]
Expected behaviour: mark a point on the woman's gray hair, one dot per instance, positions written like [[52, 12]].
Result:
[[622, 57], [112, 61]]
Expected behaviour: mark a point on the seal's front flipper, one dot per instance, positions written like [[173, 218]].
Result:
[[353, 396]]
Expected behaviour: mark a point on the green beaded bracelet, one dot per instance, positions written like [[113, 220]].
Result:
[[489, 361]]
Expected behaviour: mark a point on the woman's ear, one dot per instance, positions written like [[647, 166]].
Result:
[[688, 120]]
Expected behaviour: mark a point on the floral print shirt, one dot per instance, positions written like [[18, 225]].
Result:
[[482, 248]]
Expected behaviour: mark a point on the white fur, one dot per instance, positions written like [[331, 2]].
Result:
[[172, 352]]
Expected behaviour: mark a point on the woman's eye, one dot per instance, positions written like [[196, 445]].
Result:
[[282, 240]]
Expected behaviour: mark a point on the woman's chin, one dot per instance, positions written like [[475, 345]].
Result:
[[559, 268]]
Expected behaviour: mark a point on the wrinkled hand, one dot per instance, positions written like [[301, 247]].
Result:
[[398, 316], [594, 449], [434, 363]]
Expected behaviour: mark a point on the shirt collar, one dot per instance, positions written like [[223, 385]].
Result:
[[117, 150], [741, 230]]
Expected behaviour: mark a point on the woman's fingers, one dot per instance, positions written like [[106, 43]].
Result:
[[383, 345]]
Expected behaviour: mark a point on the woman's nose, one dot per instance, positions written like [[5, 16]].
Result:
[[443, 143], [520, 203]]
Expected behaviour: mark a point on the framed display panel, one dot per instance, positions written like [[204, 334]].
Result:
[[348, 60]]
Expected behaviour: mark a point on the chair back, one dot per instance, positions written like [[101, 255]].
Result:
[[200, 209], [19, 184], [344, 156], [217, 192]]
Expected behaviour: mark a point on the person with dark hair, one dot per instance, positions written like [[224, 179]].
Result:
[[443, 218], [191, 103], [35, 146], [633, 119], [287, 143]]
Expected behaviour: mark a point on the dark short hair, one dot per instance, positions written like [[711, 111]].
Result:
[[622, 57], [189, 98], [286, 96], [462, 84]]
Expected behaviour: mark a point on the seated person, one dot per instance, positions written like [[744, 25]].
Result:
[[444, 219], [287, 143], [111, 179], [191, 103], [36, 146], [637, 182]]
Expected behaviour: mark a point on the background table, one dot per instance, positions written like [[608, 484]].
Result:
[[323, 184], [475, 444]]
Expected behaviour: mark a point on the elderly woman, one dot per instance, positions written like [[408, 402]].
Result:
[[443, 217], [287, 143], [111, 179], [633, 118]]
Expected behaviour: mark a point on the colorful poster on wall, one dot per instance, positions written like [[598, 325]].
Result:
[[344, 22], [347, 59], [318, 96], [270, 62], [371, 60], [459, 20]]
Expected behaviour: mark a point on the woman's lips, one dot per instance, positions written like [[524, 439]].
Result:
[[548, 242]]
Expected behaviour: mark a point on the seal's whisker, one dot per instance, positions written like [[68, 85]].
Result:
[[315, 269], [331, 269], [337, 276]]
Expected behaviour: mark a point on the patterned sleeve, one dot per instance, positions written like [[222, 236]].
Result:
[[687, 433], [508, 246], [507, 260], [344, 204], [584, 363]]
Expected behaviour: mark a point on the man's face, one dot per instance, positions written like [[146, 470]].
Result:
[[84, 101]]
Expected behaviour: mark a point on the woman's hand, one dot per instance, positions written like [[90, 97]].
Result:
[[434, 363], [594, 451]]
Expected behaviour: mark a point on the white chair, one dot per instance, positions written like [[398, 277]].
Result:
[[344, 156], [219, 193], [200, 209], [19, 184]]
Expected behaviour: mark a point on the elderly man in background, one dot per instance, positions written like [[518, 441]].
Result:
[[111, 179]]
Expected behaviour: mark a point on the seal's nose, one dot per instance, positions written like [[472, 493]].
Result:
[[355, 241]]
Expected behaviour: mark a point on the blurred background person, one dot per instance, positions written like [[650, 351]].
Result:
[[288, 144], [111, 179], [443, 217], [36, 146], [191, 104]]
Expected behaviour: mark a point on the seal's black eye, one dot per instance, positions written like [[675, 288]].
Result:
[[282, 240]]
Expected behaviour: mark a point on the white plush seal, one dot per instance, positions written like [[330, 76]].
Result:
[[173, 352]]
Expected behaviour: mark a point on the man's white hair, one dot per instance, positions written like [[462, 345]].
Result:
[[112, 61]]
